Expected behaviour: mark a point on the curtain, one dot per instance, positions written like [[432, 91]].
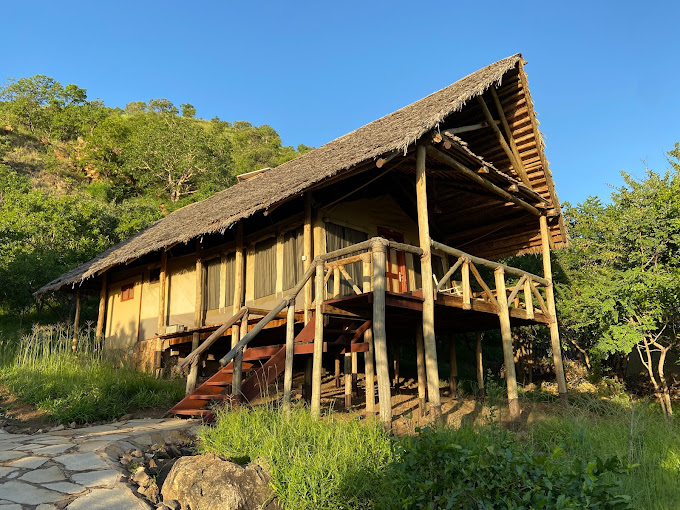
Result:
[[265, 268], [229, 279], [293, 250], [338, 237], [211, 288]]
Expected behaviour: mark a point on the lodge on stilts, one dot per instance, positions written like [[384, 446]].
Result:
[[391, 232]]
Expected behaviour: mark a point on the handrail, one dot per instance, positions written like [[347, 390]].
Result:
[[286, 301], [193, 356], [488, 263]]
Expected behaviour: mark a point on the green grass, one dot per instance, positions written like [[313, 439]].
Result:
[[81, 387], [341, 462], [597, 426]]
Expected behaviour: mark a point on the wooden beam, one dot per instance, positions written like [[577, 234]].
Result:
[[290, 352], [161, 293], [369, 355], [427, 283], [237, 371], [479, 365], [198, 317], [550, 298], [76, 322], [464, 129], [521, 171], [101, 316], [348, 380], [422, 378], [445, 158], [318, 344], [453, 368], [504, 145], [308, 253], [380, 334], [506, 337]]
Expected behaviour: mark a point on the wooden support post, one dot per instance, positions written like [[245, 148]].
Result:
[[161, 293], [307, 384], [348, 380], [453, 368], [355, 373], [308, 253], [506, 335], [428, 288], [370, 373], [76, 323], [336, 282], [550, 303], [237, 372], [198, 319], [290, 352], [380, 334], [237, 331], [337, 371], [101, 317], [318, 343], [467, 290], [479, 365], [422, 379], [395, 361]]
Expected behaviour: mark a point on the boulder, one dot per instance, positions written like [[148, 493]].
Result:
[[206, 482]]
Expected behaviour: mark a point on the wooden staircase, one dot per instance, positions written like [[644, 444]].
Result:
[[261, 366]]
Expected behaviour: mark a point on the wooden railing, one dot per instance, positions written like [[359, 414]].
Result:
[[528, 284]]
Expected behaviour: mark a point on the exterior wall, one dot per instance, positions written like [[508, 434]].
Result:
[[148, 313], [181, 282], [122, 324]]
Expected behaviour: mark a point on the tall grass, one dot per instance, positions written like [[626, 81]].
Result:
[[638, 433], [320, 464], [82, 386]]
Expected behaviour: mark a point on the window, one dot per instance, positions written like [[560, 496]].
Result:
[[293, 249], [155, 275], [338, 237], [229, 280], [127, 292], [265, 268], [437, 269], [213, 268]]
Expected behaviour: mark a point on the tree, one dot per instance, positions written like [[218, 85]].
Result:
[[622, 274], [188, 110]]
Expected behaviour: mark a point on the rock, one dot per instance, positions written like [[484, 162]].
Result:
[[137, 453], [72, 425], [125, 417], [142, 478], [205, 482], [57, 428]]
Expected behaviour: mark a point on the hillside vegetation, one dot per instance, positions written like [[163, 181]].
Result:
[[77, 176]]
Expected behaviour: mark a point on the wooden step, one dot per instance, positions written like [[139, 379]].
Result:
[[206, 414], [219, 396]]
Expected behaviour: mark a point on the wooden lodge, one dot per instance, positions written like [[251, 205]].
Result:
[[392, 231]]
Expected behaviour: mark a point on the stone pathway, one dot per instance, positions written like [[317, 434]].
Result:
[[78, 469]]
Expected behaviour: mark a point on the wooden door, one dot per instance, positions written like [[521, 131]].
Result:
[[397, 280]]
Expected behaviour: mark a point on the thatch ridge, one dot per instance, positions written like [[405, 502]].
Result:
[[393, 132]]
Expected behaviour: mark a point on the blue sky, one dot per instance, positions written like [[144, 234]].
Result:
[[604, 75]]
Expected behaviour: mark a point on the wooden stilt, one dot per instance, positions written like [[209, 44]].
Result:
[[237, 374], [395, 361], [290, 352], [479, 365], [198, 320], [550, 303], [337, 371], [370, 373], [76, 323], [428, 287], [506, 335], [380, 334], [238, 330], [318, 344], [355, 373], [161, 293], [307, 384], [453, 368], [101, 317], [422, 379], [348, 380]]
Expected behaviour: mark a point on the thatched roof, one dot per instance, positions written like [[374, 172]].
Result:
[[393, 132]]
